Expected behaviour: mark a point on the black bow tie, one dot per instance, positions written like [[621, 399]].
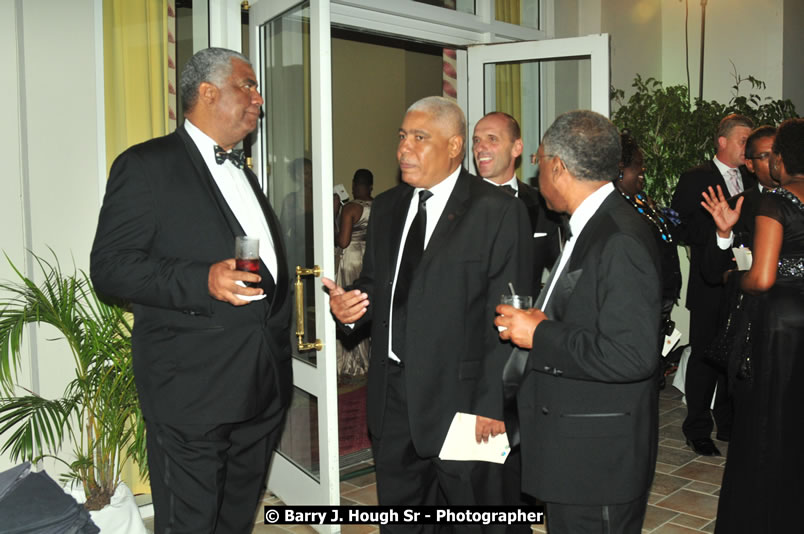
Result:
[[236, 156], [508, 189]]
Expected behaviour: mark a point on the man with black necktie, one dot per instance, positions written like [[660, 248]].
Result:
[[211, 356], [586, 378], [497, 147], [704, 297], [429, 286]]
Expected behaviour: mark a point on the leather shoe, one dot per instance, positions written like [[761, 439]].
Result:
[[703, 446]]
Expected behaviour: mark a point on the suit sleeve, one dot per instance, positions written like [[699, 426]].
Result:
[[621, 343], [511, 261], [122, 263]]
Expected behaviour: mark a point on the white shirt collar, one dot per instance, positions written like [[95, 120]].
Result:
[[588, 207], [722, 167], [512, 183]]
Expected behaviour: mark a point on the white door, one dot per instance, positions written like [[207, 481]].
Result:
[[535, 81], [292, 155]]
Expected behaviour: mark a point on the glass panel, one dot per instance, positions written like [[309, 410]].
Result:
[[288, 146], [464, 6], [519, 12], [299, 442], [535, 93]]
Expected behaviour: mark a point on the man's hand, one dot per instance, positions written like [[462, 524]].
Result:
[[222, 286], [346, 306], [725, 218], [485, 427], [519, 324]]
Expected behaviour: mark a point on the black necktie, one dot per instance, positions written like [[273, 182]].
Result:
[[236, 156], [508, 189], [411, 255]]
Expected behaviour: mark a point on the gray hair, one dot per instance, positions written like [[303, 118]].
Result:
[[444, 111], [587, 142], [211, 65]]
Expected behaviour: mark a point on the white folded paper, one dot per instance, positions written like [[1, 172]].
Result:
[[539, 234], [248, 297], [742, 255], [460, 443], [670, 342]]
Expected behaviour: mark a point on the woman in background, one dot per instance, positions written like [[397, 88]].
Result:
[[763, 483], [353, 351]]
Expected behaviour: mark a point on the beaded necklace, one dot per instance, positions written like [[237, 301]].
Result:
[[641, 204]]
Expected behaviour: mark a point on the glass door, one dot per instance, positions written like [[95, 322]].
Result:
[[292, 155], [535, 81]]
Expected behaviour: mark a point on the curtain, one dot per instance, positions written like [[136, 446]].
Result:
[[508, 83], [135, 61]]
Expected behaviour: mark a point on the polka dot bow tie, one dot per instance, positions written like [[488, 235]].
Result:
[[236, 156]]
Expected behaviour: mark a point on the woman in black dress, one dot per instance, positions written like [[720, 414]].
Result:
[[763, 484]]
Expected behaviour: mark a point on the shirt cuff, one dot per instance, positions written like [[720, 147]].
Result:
[[724, 243]]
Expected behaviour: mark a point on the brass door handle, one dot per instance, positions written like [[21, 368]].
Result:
[[301, 271]]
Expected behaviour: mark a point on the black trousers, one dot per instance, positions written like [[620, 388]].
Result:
[[210, 478], [405, 478], [602, 519], [700, 381]]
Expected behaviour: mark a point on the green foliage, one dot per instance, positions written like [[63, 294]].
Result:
[[674, 135], [99, 410]]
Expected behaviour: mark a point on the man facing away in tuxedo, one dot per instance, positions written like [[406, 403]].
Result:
[[704, 298], [588, 372], [497, 147], [211, 356], [429, 288]]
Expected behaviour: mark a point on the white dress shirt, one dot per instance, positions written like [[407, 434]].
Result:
[[512, 183], [239, 195], [577, 222], [724, 172], [435, 207]]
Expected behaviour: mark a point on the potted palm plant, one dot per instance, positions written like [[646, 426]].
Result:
[[98, 413]]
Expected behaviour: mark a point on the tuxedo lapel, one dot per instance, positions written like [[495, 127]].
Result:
[[454, 209], [398, 225]]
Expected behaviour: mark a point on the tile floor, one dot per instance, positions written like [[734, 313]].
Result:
[[683, 498]]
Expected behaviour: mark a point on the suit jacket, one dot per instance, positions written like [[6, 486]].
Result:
[[697, 227], [588, 404], [542, 221], [162, 224], [454, 357]]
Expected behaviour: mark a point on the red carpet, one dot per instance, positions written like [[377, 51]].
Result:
[[352, 431]]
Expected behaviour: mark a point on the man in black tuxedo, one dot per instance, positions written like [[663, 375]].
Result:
[[704, 298], [434, 349], [211, 356], [496, 146], [718, 256], [588, 377]]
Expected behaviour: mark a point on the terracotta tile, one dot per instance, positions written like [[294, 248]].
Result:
[[655, 497], [665, 468], [671, 430], [363, 480], [667, 484], [359, 529], [302, 529], [713, 460], [689, 521], [676, 415], [655, 517], [345, 501], [710, 527], [704, 487], [674, 529], [367, 495], [692, 503], [703, 472], [674, 443], [677, 457], [346, 486], [666, 405]]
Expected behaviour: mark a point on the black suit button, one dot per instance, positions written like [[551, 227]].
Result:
[[545, 411]]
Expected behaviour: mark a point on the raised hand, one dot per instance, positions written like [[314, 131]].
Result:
[[725, 218]]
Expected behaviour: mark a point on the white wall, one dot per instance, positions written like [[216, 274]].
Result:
[[792, 62], [745, 32], [50, 192]]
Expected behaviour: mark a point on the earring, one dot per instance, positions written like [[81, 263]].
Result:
[[620, 177]]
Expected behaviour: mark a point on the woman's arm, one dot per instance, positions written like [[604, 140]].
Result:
[[350, 214], [767, 245]]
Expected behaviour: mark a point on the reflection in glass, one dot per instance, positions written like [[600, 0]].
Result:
[[464, 6], [519, 12], [288, 146], [535, 93], [299, 442]]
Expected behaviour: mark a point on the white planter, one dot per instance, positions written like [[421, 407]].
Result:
[[120, 516]]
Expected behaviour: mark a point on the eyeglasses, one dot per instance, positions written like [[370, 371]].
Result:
[[761, 156]]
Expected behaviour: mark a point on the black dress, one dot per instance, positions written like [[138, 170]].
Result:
[[763, 483]]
